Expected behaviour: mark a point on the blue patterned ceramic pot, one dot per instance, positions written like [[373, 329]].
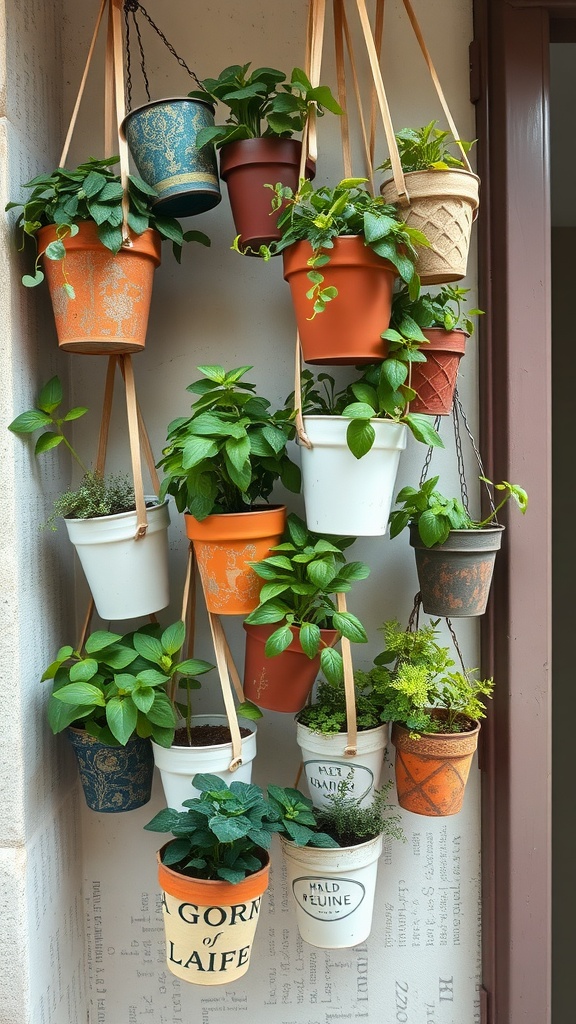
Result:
[[162, 140], [114, 778]]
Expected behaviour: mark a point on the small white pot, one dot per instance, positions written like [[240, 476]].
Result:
[[326, 765], [179, 765], [334, 891], [128, 578], [344, 495]]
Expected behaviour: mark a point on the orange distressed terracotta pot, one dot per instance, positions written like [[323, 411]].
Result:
[[281, 683], [210, 924], [109, 315], [349, 329], [435, 380], [431, 772], [223, 545]]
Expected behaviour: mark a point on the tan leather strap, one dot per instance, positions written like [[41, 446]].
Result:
[[397, 171], [351, 748], [109, 98], [117, 7], [368, 160], [219, 642], [73, 119], [146, 446], [134, 438], [316, 45], [436, 81], [299, 419], [341, 79]]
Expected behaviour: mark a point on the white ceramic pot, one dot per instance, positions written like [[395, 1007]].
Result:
[[334, 891], [179, 765], [128, 578], [344, 495], [326, 765]]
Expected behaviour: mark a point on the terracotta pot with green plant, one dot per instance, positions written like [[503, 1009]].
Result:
[[214, 873], [221, 464], [343, 249], [128, 578], [443, 199], [100, 283], [435, 714], [439, 324], [292, 633], [357, 434], [455, 554], [111, 697], [256, 144]]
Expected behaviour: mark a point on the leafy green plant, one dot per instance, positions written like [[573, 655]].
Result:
[[91, 192], [302, 575], [436, 515], [382, 392], [327, 712], [445, 310], [117, 687], [96, 495], [229, 453], [412, 683], [262, 104], [427, 148], [222, 832], [351, 824], [318, 216]]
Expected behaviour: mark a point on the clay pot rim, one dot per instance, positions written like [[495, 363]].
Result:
[[370, 259], [438, 735], [229, 153], [443, 340], [223, 893], [119, 515], [147, 244], [494, 528]]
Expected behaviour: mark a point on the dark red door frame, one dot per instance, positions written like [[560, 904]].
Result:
[[510, 59]]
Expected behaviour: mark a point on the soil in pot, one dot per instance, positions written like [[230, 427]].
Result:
[[205, 735]]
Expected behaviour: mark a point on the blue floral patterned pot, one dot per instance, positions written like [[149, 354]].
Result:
[[162, 139], [114, 778]]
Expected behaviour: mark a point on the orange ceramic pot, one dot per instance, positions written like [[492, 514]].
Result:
[[349, 329], [210, 924], [431, 772], [223, 545], [109, 315], [281, 683], [435, 380]]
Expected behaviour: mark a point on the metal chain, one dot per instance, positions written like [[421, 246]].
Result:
[[458, 404], [132, 6], [460, 456], [456, 644], [428, 458]]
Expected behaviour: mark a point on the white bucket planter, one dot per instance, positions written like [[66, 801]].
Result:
[[128, 578], [179, 765], [334, 891], [326, 765], [344, 495]]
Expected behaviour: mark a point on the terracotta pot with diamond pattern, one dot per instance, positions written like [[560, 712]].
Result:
[[443, 205], [435, 380], [432, 771]]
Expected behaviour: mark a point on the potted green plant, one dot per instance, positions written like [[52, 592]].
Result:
[[455, 554], [111, 698], [334, 886], [292, 632], [321, 734], [443, 199], [357, 434], [214, 872], [128, 578], [441, 324], [256, 142], [220, 465], [100, 286], [343, 249], [435, 714]]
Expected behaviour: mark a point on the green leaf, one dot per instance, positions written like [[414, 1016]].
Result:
[[81, 694], [433, 529], [173, 637], [297, 530], [75, 413], [395, 372], [121, 715], [310, 638], [50, 395], [267, 614], [271, 590], [358, 411], [193, 667], [46, 442], [118, 657], [30, 421], [100, 640], [350, 627], [196, 450], [229, 829], [278, 641], [82, 671], [360, 436], [164, 821], [30, 281], [55, 251], [152, 677], [321, 572], [249, 710], [423, 429], [331, 665], [143, 698], [162, 713], [238, 451], [149, 647]]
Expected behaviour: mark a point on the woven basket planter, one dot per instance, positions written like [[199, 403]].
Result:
[[442, 206]]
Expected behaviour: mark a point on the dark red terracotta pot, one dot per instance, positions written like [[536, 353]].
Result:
[[348, 331], [282, 683], [435, 380], [247, 166]]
